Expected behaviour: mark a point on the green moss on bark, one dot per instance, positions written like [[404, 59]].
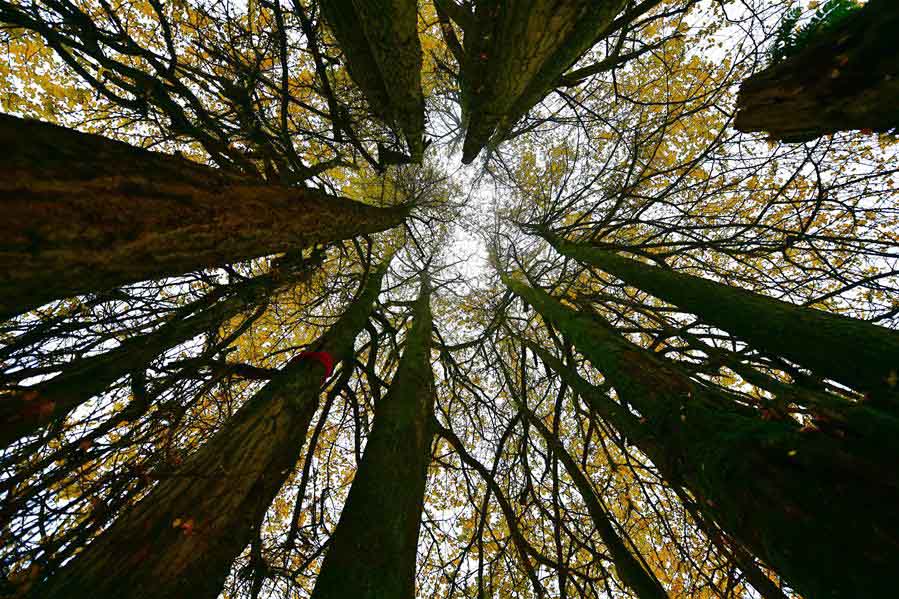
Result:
[[372, 553], [795, 499], [812, 338], [845, 78]]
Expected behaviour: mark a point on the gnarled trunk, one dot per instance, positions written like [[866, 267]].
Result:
[[83, 213], [846, 78], [373, 549]]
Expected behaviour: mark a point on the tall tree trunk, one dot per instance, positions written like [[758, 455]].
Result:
[[627, 424], [83, 213], [812, 338], [846, 78], [514, 55], [379, 39], [373, 549], [181, 539], [795, 499], [27, 410], [629, 569]]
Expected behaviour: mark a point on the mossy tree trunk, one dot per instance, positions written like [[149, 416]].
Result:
[[372, 553], [846, 78], [853, 352], [26, 410], [632, 429], [379, 39], [515, 53], [796, 499], [181, 540], [82, 213]]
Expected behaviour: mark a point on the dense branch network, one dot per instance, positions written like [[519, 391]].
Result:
[[289, 347]]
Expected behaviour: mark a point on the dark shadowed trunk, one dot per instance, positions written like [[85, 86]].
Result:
[[373, 549], [181, 539], [82, 213], [379, 39], [629, 425], [26, 410], [514, 55], [856, 353], [796, 499], [846, 78]]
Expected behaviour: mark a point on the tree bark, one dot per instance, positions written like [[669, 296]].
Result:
[[372, 553], [795, 499], [379, 39], [853, 352], [515, 53], [846, 78], [627, 424], [83, 213], [181, 539], [26, 410]]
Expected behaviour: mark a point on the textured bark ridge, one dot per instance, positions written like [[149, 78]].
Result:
[[856, 353], [373, 549], [515, 53], [82, 213], [795, 499], [180, 541], [27, 410], [379, 39], [846, 79]]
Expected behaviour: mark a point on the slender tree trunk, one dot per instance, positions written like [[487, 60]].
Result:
[[853, 352], [379, 39], [626, 423], [514, 55], [521, 545], [83, 213], [373, 549], [181, 539], [631, 572], [27, 410], [796, 499], [846, 78]]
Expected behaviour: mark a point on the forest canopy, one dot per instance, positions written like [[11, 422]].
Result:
[[449, 298]]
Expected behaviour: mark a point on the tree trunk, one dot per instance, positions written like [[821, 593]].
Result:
[[379, 39], [629, 569], [515, 53], [846, 78], [795, 499], [181, 539], [812, 338], [26, 410], [627, 424], [82, 213], [373, 549]]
